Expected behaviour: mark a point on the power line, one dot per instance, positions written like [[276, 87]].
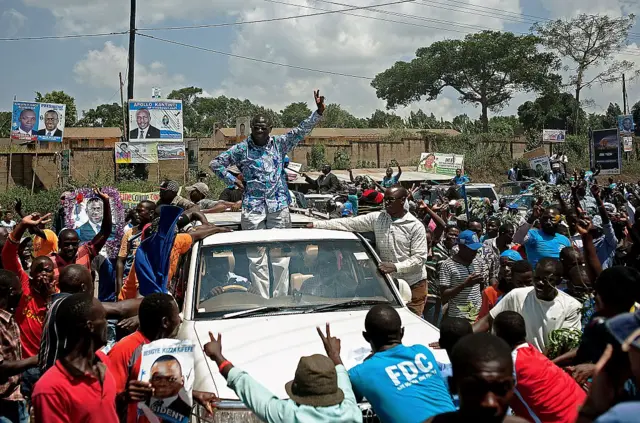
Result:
[[253, 59], [61, 37], [284, 18]]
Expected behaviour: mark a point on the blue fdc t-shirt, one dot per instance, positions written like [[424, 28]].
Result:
[[402, 384], [540, 245]]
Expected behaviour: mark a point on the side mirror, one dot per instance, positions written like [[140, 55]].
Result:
[[405, 290]]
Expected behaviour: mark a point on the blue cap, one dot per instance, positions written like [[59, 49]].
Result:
[[511, 255], [623, 326], [469, 239], [512, 206]]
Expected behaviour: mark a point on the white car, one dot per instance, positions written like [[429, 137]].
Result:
[[322, 276]]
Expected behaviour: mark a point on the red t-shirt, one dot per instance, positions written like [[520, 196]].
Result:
[[86, 253], [32, 308], [489, 300], [543, 392], [122, 368], [62, 397], [373, 196]]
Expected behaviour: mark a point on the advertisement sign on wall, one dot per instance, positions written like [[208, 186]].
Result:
[[440, 163]]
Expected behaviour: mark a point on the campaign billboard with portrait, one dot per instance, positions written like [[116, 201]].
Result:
[[154, 121], [606, 151], [136, 152], [31, 121]]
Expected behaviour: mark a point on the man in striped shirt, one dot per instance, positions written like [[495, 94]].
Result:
[[460, 279]]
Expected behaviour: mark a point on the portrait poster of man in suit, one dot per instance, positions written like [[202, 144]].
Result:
[[88, 224], [144, 130], [51, 129], [168, 367]]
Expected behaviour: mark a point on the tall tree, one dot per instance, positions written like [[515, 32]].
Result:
[[294, 113], [335, 116], [610, 118], [485, 68], [5, 124], [552, 110], [190, 118], [105, 115], [590, 41], [60, 97], [420, 120], [382, 119], [635, 111]]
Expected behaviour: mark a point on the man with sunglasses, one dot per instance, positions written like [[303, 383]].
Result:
[[545, 242], [401, 240], [543, 306]]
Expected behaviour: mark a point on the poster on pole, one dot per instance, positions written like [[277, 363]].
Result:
[[554, 135], [626, 126], [136, 152], [171, 151], [440, 163], [541, 165], [606, 151], [167, 364], [155, 121], [627, 142], [31, 121], [243, 126]]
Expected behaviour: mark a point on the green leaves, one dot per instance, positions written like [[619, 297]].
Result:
[[60, 97]]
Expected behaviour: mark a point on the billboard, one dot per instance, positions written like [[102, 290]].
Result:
[[440, 163], [171, 152], [130, 200], [627, 142], [606, 151], [136, 152], [31, 121], [243, 126], [541, 165], [155, 121], [626, 125], [553, 135]]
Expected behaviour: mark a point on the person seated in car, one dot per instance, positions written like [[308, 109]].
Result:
[[329, 280], [217, 277]]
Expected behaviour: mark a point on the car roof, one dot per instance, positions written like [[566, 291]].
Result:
[[262, 235], [234, 218]]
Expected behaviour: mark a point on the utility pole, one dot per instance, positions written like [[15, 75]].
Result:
[[132, 48], [125, 129], [624, 96]]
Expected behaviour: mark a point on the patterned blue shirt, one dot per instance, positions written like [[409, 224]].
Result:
[[265, 182]]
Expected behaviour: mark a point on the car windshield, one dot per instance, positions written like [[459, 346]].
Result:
[[292, 275]]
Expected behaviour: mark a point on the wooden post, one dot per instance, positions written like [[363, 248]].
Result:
[[185, 169], [33, 168]]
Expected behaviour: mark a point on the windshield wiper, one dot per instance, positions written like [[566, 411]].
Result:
[[346, 304], [257, 311]]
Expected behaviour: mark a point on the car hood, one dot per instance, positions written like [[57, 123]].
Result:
[[269, 347]]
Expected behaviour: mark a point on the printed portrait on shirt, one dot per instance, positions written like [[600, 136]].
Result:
[[168, 367]]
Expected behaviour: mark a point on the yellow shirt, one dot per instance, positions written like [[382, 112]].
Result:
[[44, 247]]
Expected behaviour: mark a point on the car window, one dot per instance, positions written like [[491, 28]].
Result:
[[239, 277], [525, 201], [481, 192]]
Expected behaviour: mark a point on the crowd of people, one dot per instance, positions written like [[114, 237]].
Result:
[[535, 308]]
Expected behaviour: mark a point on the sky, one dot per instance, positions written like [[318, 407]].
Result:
[[349, 46]]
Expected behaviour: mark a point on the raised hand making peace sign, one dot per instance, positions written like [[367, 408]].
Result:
[[331, 345]]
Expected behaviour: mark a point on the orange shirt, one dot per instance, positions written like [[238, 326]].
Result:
[[44, 247], [489, 300], [181, 244]]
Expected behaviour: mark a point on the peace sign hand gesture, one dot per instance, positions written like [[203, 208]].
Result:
[[331, 345], [319, 101]]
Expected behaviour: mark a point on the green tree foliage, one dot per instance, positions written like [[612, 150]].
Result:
[[190, 118], [316, 158], [590, 42], [382, 119], [420, 120], [610, 118], [335, 116], [294, 113], [635, 111], [552, 110], [485, 68], [105, 115], [60, 97], [5, 124]]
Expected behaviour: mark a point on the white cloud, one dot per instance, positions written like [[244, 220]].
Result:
[[12, 21], [99, 69]]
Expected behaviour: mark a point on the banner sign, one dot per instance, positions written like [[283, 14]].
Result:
[[627, 142], [605, 151], [130, 200], [194, 155], [167, 364], [243, 126], [171, 152], [626, 126], [440, 163], [136, 152], [32, 121], [541, 165], [553, 135], [155, 121], [65, 163]]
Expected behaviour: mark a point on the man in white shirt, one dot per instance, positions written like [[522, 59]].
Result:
[[542, 305], [401, 241]]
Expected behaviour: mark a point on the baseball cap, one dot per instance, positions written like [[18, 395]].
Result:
[[625, 328], [512, 206], [511, 255], [201, 187], [171, 186], [469, 239]]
